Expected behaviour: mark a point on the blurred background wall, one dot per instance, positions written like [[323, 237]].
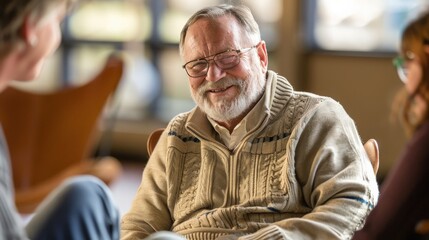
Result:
[[338, 48]]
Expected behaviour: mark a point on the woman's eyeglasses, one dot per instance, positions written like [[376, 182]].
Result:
[[401, 62]]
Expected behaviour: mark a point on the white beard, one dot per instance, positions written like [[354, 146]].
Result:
[[250, 90]]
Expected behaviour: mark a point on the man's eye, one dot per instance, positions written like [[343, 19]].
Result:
[[226, 59], [198, 65]]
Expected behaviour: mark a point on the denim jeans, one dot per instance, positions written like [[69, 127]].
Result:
[[81, 208]]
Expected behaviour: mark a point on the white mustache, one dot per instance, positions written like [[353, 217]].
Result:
[[221, 84]]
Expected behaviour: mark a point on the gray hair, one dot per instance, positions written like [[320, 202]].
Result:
[[242, 14], [12, 15]]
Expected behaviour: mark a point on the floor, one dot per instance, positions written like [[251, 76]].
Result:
[[125, 187]]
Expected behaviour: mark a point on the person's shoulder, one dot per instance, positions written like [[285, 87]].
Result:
[[178, 122], [317, 101], [181, 117], [421, 134], [322, 106]]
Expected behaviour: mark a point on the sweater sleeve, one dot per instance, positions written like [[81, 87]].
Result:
[[331, 175], [140, 221], [10, 225]]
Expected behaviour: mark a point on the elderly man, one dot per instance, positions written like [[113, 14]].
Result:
[[255, 159]]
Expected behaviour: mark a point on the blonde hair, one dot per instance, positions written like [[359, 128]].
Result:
[[12, 15], [415, 38]]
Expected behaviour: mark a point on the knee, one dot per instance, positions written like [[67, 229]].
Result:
[[82, 203], [83, 183], [87, 190]]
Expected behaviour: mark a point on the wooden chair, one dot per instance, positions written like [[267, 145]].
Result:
[[371, 148], [373, 152], [51, 136], [153, 140]]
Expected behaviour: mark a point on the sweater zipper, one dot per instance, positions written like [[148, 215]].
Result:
[[233, 180]]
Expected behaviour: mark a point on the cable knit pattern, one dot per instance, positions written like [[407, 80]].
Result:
[[299, 173]]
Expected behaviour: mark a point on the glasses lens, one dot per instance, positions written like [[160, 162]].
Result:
[[402, 73], [399, 63], [227, 60], [197, 68], [224, 61]]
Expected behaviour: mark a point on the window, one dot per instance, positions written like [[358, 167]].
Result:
[[155, 85], [360, 25]]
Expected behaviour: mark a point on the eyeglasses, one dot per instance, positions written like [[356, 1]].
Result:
[[224, 60], [400, 62]]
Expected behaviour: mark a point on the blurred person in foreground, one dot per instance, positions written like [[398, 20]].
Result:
[[82, 207], [255, 159], [404, 196]]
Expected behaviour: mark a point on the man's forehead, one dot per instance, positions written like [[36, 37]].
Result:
[[210, 36]]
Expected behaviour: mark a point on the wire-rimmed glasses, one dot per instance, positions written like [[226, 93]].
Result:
[[224, 60]]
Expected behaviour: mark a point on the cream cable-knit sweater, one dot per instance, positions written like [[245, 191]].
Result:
[[300, 173]]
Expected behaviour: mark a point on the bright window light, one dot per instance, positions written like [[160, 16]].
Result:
[[362, 25]]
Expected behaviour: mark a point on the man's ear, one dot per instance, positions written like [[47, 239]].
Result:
[[263, 55], [28, 33]]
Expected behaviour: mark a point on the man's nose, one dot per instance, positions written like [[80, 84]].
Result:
[[214, 73]]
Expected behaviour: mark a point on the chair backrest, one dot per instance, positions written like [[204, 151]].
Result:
[[153, 140], [371, 148], [47, 133], [373, 152]]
